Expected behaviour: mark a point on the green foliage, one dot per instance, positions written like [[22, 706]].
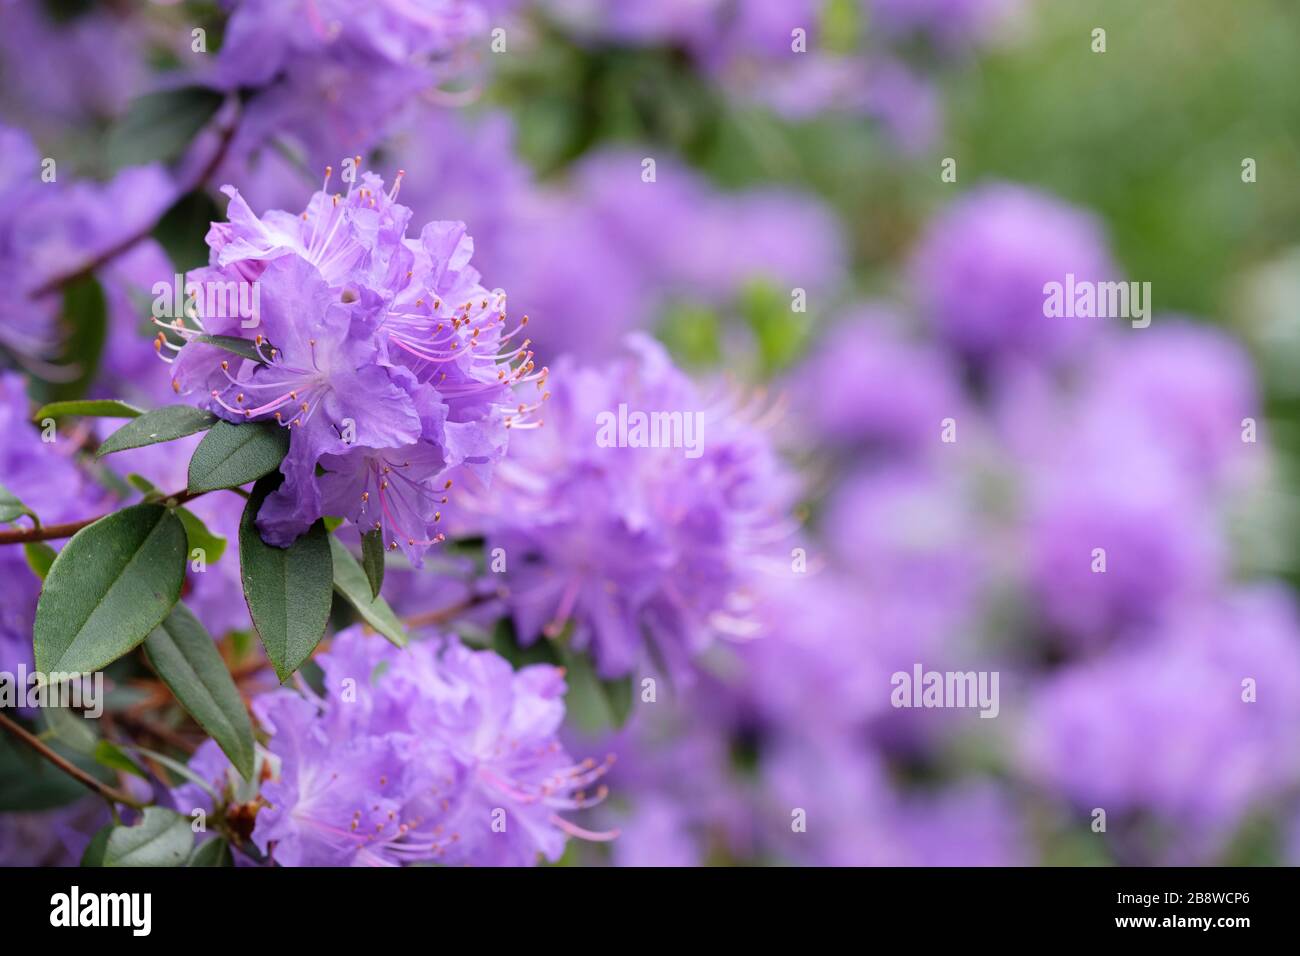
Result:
[[288, 590], [11, 508], [372, 559], [84, 322], [29, 783], [159, 126], [160, 425], [90, 408], [182, 652], [161, 838], [233, 455], [351, 582], [111, 585]]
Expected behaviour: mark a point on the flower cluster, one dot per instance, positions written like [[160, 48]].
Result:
[[384, 356], [330, 78], [434, 753], [631, 543]]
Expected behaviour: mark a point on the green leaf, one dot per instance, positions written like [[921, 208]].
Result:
[[111, 585], [94, 853], [160, 425], [110, 755], [244, 348], [181, 230], [592, 703], [233, 455], [215, 852], [178, 768], [39, 557], [158, 126], [350, 581], [146, 487], [89, 407], [11, 508], [372, 559], [288, 590], [161, 838], [69, 728], [84, 321], [198, 535], [182, 652], [28, 782]]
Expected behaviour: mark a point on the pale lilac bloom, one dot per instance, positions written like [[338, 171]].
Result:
[[432, 753], [634, 546], [980, 269], [1194, 725], [383, 354]]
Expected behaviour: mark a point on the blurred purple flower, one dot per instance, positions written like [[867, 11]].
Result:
[[980, 268], [1166, 727], [630, 544], [890, 395], [652, 243], [1191, 384]]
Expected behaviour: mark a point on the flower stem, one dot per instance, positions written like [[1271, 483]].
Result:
[[104, 790], [52, 532]]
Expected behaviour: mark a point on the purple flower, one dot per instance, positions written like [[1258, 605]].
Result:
[[980, 269], [853, 816], [626, 541], [1195, 724], [331, 78], [672, 240], [890, 396], [49, 228], [383, 355], [40, 91], [1191, 384], [432, 753], [52, 837], [1116, 530]]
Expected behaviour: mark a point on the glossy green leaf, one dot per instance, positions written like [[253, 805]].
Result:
[[160, 425], [159, 126], [592, 703], [215, 852], [161, 838], [288, 590], [111, 585], [200, 536], [372, 559], [233, 455], [88, 408], [350, 581], [28, 782], [182, 652], [110, 755], [83, 320], [236, 345], [11, 508], [39, 557]]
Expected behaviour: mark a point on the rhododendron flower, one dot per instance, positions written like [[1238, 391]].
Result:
[[382, 354]]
